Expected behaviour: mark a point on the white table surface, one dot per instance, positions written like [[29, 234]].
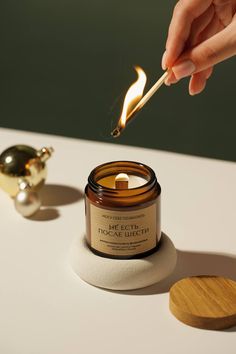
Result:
[[46, 309]]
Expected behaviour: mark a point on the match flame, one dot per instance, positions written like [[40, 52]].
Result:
[[133, 95]]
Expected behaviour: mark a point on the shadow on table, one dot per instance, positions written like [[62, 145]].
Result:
[[54, 195], [190, 264], [194, 263], [58, 195]]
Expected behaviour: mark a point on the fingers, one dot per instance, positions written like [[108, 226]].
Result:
[[197, 37], [199, 25], [184, 14], [201, 34], [171, 79], [214, 27], [198, 81], [224, 11], [202, 27], [209, 72], [201, 30], [208, 53]]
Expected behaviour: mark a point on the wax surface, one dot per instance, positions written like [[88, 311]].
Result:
[[134, 181]]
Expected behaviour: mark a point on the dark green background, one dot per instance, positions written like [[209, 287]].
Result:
[[66, 65]]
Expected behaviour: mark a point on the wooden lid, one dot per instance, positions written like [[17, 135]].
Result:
[[206, 302]]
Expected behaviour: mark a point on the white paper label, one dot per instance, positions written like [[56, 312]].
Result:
[[125, 233]]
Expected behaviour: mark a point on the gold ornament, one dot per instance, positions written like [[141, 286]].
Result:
[[23, 171]]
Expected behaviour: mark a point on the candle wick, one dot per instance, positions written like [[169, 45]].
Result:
[[122, 181]]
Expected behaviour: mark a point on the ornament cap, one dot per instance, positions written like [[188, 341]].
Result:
[[45, 153]]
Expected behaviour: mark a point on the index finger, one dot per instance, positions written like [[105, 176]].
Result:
[[185, 12]]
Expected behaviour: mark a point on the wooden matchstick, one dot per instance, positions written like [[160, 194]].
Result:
[[116, 132]]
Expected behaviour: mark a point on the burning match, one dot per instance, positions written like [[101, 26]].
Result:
[[134, 99]]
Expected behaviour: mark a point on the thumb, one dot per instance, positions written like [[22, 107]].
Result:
[[208, 53]]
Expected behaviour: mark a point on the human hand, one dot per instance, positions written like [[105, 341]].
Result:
[[201, 34]]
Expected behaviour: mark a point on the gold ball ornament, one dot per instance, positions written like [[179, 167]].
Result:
[[23, 171]]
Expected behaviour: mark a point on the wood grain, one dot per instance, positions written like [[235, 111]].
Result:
[[206, 302]]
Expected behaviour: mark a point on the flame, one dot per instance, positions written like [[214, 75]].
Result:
[[133, 95]]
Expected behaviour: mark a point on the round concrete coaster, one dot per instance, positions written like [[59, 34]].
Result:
[[116, 274], [207, 302]]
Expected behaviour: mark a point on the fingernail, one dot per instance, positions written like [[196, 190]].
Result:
[[167, 83], [183, 69], [163, 61], [196, 92], [172, 80]]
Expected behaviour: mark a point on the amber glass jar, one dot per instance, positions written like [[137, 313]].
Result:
[[123, 223]]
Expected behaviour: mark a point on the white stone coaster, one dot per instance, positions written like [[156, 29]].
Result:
[[116, 274]]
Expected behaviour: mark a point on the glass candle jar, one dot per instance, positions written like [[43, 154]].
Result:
[[122, 203]]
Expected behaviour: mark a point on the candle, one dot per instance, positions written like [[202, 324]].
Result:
[[122, 202]]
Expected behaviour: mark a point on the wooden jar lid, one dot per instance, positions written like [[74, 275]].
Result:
[[206, 302]]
